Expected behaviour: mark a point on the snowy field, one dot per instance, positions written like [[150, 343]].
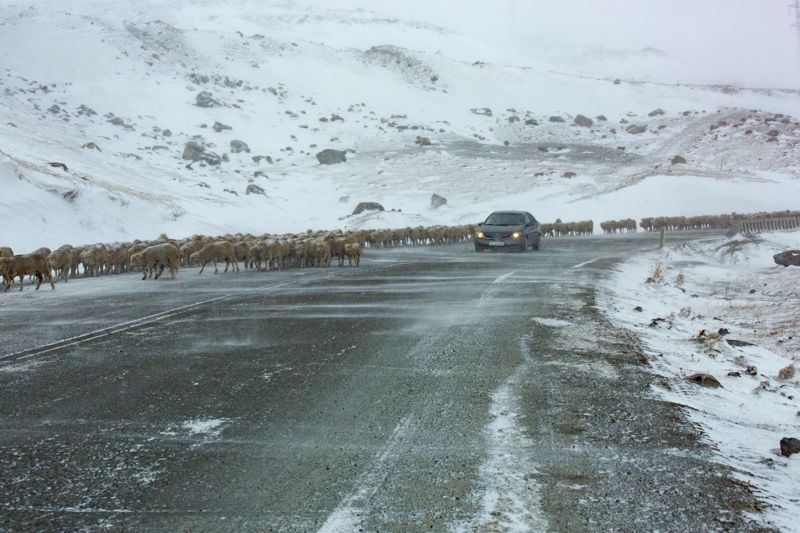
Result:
[[117, 90], [710, 286]]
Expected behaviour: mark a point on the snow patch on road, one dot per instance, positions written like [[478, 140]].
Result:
[[208, 427], [501, 279], [732, 284], [551, 322], [510, 500]]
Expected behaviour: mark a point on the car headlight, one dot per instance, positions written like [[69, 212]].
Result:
[[480, 235], [516, 235]]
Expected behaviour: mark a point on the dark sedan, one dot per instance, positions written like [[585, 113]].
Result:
[[508, 230]]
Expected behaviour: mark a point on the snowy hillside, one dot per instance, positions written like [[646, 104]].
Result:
[[116, 92]]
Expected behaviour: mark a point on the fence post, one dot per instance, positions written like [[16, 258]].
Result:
[[662, 240]]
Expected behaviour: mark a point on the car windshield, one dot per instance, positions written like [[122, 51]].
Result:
[[505, 219]]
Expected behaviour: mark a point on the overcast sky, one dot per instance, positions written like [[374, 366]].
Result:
[[750, 41]]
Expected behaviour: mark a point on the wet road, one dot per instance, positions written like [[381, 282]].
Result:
[[430, 389]]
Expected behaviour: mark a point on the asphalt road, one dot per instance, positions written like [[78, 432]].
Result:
[[429, 389]]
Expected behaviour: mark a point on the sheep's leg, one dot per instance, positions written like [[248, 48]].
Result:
[[160, 270], [39, 280], [21, 281], [216, 270], [50, 279], [202, 267], [227, 264]]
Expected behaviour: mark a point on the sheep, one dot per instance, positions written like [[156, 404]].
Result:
[[186, 252], [5, 251], [61, 261], [157, 256], [119, 259], [95, 260], [353, 252], [217, 251], [26, 265]]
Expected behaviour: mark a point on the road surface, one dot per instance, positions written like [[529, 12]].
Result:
[[429, 389]]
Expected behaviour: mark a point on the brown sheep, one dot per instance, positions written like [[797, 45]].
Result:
[[26, 265], [157, 256], [5, 251], [217, 251], [353, 252], [61, 261]]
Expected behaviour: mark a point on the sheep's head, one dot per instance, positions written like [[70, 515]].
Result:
[[137, 260]]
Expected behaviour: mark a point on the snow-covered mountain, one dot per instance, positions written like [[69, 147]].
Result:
[[194, 117]]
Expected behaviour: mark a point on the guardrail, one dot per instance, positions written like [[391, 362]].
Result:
[[767, 224]]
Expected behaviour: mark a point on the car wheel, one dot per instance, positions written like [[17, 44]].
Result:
[[537, 242], [525, 245]]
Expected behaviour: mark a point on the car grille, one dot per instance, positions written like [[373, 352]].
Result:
[[498, 236]]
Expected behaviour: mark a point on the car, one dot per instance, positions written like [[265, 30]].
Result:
[[508, 230]]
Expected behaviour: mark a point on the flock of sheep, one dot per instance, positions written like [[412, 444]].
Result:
[[269, 252], [309, 249], [708, 221]]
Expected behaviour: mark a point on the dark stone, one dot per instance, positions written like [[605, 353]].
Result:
[[238, 146], [117, 121], [260, 174], [638, 308], [219, 126], [422, 141], [568, 174], [735, 374], [54, 109], [706, 380], [601, 118], [773, 133], [438, 201], [166, 133], [484, 111], [367, 206], [86, 110], [193, 151], [789, 445], [329, 156], [636, 128], [617, 82], [255, 189], [738, 343], [655, 112], [751, 370], [678, 160], [555, 118], [583, 121], [531, 122], [512, 119], [205, 99], [787, 258], [723, 331]]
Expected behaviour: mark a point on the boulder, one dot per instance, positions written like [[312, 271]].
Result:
[[601, 118], [706, 380], [555, 118], [617, 81], [655, 112], [54, 109], [484, 111], [367, 206], [568, 174], [193, 151], [422, 141], [787, 258], [583, 121], [512, 119], [789, 445], [678, 160], [255, 189], [636, 128], [205, 99], [438, 201], [773, 133], [219, 126], [531, 122], [329, 156], [239, 146]]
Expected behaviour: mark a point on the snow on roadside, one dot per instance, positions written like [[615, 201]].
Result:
[[729, 283]]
